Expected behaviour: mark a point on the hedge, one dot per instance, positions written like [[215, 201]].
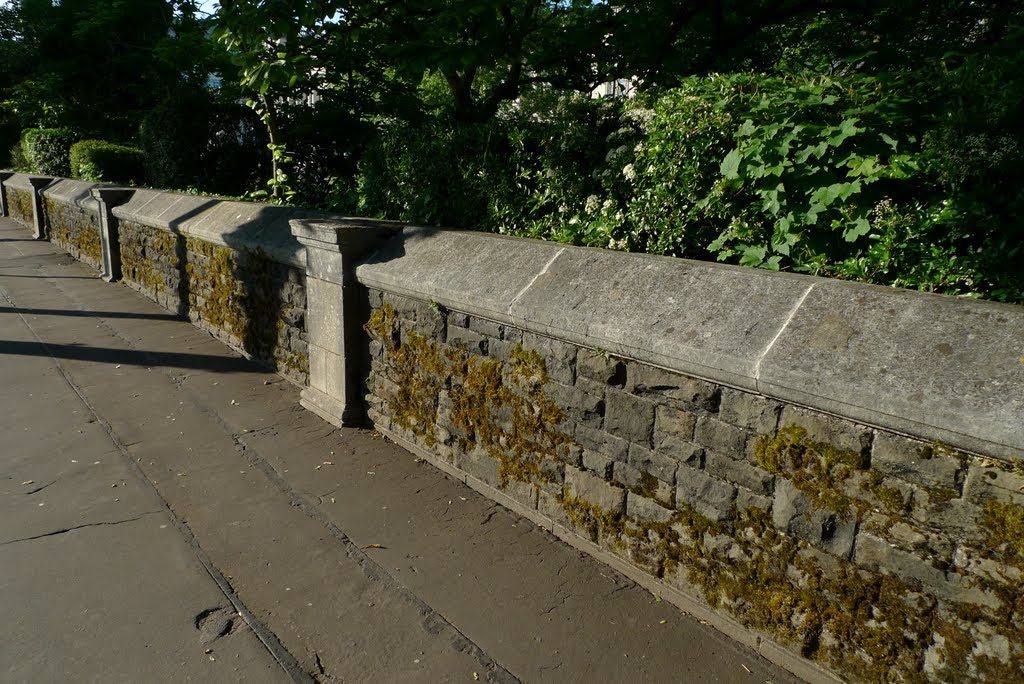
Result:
[[46, 150], [99, 160]]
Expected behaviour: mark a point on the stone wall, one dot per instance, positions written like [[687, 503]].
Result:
[[242, 297], [72, 219], [881, 557], [20, 202], [829, 469]]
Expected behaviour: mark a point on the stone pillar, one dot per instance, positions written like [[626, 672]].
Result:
[[38, 219], [4, 175], [110, 243], [333, 246]]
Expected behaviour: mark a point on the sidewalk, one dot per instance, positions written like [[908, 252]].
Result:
[[168, 512]]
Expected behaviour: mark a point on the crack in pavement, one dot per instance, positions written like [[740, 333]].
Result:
[[78, 527]]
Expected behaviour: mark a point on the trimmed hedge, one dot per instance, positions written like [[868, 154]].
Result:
[[99, 160], [46, 150]]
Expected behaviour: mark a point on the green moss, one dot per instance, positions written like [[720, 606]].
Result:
[[496, 406], [868, 626], [20, 205], [890, 497], [1003, 525], [74, 229], [817, 469]]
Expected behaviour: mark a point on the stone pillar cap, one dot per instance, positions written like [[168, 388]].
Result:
[[349, 235]]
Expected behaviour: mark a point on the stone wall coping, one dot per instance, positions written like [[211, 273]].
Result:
[[76, 192], [20, 181], [238, 225], [935, 367]]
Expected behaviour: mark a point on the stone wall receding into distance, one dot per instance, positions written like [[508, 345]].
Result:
[[825, 470]]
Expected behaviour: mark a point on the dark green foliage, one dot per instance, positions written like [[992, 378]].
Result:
[[192, 140], [46, 150], [101, 161]]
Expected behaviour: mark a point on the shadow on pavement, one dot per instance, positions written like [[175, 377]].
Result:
[[88, 314], [216, 364]]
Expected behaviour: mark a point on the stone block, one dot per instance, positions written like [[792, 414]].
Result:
[[500, 350], [559, 357], [592, 489], [793, 513], [580, 406], [601, 368], [749, 411], [986, 482], [877, 555], [633, 478], [720, 437], [746, 499], [657, 464], [478, 464], [550, 506], [458, 320], [647, 510], [917, 462], [599, 440], [629, 417], [485, 327], [709, 496], [674, 422], [598, 463], [682, 451], [739, 472], [682, 390], [470, 340], [841, 434]]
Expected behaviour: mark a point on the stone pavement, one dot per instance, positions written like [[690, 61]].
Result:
[[168, 512]]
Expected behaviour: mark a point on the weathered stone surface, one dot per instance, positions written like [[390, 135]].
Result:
[[739, 472], [600, 367], [749, 411], [986, 482], [721, 437], [583, 485], [877, 555], [841, 434], [597, 463], [581, 406], [629, 417], [936, 367], [662, 385], [746, 499], [599, 440], [793, 513], [682, 451], [675, 422], [709, 496], [916, 461], [485, 327], [641, 508], [657, 464], [467, 339], [635, 479], [559, 357]]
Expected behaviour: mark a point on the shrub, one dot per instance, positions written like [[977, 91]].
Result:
[[98, 160], [16, 159], [46, 150], [193, 141]]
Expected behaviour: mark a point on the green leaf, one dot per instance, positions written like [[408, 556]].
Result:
[[752, 255], [856, 229], [730, 166]]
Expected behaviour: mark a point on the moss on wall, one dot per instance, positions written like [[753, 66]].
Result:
[[19, 203], [74, 229], [883, 624]]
